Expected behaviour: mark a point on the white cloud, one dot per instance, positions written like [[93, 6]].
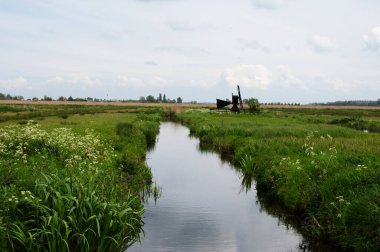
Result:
[[56, 79], [186, 26], [150, 63], [202, 83], [84, 81], [116, 33], [287, 77], [125, 81], [321, 44], [330, 85], [185, 51], [372, 40], [19, 83], [255, 45], [249, 76], [269, 4], [156, 1], [338, 84], [157, 81], [133, 82]]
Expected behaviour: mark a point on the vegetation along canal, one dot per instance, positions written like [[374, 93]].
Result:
[[203, 206]]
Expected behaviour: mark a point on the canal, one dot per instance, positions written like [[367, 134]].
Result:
[[202, 206]]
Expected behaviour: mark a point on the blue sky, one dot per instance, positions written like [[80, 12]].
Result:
[[276, 50]]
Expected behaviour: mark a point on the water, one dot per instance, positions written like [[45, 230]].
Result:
[[202, 205]]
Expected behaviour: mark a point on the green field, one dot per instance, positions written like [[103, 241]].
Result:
[[327, 175], [75, 177]]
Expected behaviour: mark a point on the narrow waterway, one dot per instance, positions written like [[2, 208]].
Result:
[[202, 206]]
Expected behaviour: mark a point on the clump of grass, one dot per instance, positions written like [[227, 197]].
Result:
[[60, 191], [329, 177], [357, 123], [22, 122], [133, 139]]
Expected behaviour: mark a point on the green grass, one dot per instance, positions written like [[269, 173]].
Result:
[[24, 112], [327, 174], [80, 190], [75, 183]]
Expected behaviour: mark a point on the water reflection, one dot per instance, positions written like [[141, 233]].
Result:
[[202, 206]]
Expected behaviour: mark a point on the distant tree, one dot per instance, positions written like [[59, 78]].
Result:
[[34, 99], [2, 96], [164, 98], [179, 100], [150, 98], [8, 97], [61, 98], [47, 98], [159, 98], [90, 99], [142, 99], [70, 98], [80, 99], [378, 102], [254, 105]]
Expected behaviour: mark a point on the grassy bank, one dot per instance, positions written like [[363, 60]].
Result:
[[74, 183], [328, 175]]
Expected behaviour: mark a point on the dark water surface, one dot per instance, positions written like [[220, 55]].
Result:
[[203, 206]]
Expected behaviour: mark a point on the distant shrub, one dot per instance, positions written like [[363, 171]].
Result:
[[253, 105]]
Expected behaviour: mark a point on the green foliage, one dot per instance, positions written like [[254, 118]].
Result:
[[68, 215], [357, 123], [64, 116], [10, 97], [63, 191], [133, 139], [329, 175], [253, 105], [28, 111]]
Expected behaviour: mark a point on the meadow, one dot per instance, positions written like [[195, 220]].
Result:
[[74, 177], [325, 173]]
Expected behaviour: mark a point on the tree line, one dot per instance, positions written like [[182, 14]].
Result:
[[281, 103], [148, 99], [160, 99], [351, 103], [10, 97]]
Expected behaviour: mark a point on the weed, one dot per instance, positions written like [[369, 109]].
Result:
[[62, 191]]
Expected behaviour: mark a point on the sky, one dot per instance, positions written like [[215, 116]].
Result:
[[277, 50]]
